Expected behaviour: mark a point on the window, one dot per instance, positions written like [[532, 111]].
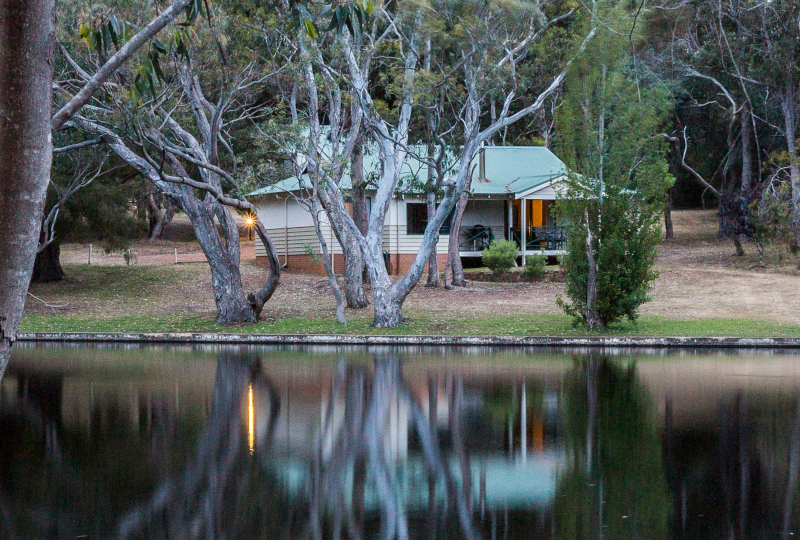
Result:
[[417, 219]]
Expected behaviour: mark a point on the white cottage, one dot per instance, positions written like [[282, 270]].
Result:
[[511, 197]]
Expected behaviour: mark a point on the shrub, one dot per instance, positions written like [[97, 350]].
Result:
[[534, 266], [499, 257]]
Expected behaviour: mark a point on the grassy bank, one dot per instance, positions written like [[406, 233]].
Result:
[[555, 325]]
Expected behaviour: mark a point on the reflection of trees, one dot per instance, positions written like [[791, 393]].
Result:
[[212, 496], [614, 485], [205, 499], [739, 479], [357, 447]]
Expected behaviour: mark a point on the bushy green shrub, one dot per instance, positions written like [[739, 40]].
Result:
[[534, 266], [499, 257]]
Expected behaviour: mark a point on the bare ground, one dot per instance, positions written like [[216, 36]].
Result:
[[700, 277]]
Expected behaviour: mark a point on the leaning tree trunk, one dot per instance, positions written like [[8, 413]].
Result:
[[326, 259], [47, 267], [453, 265], [353, 258], [27, 37]]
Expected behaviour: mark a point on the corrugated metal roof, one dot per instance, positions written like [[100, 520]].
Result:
[[509, 170], [515, 169]]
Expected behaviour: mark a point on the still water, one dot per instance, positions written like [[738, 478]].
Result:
[[243, 442]]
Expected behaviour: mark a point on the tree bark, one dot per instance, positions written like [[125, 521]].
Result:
[[593, 319], [669, 231], [353, 270], [787, 104], [326, 259], [47, 266], [360, 211], [746, 184], [27, 38], [453, 269], [433, 262], [223, 258], [160, 219]]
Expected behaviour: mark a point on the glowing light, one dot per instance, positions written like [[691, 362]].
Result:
[[251, 421], [250, 221]]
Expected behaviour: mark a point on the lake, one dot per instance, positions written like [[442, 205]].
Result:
[[124, 442]]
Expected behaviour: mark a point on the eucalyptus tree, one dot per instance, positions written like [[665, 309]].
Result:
[[327, 153], [27, 42], [89, 195], [178, 139], [482, 62]]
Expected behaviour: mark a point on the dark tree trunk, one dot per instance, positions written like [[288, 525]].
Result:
[[788, 106], [159, 220], [745, 187], [47, 267], [27, 37], [360, 211], [433, 262], [669, 232]]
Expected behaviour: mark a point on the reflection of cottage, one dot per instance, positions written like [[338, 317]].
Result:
[[511, 197]]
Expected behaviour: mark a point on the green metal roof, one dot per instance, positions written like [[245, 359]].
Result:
[[509, 170], [412, 168], [515, 169]]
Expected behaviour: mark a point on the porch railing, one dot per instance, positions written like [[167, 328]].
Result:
[[475, 238], [541, 238]]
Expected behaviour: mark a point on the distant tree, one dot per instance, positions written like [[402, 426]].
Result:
[[608, 136], [89, 197]]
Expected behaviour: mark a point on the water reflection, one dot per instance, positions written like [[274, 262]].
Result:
[[172, 443]]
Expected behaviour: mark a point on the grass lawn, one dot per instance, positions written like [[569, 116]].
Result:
[[703, 291], [552, 325]]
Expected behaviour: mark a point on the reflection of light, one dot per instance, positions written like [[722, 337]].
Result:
[[251, 421]]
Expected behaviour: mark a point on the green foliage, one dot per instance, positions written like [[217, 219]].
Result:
[[534, 266], [313, 256], [617, 179], [499, 257], [103, 210]]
